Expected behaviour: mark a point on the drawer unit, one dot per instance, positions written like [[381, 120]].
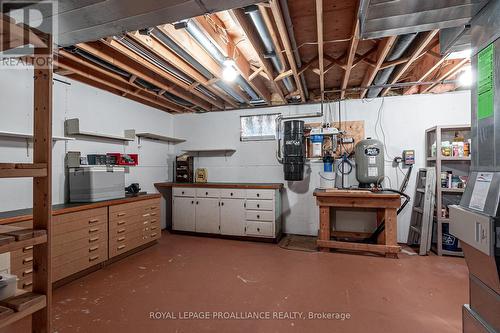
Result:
[[183, 192], [259, 229], [207, 193], [232, 193], [73, 255], [79, 264], [260, 194], [257, 215], [260, 204]]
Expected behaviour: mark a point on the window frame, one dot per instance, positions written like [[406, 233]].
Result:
[[262, 137]]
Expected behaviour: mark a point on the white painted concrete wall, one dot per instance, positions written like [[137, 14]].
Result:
[[99, 111], [404, 120]]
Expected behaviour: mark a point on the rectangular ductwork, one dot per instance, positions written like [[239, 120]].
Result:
[[381, 18]]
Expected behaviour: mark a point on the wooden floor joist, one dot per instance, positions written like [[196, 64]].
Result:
[[351, 53]]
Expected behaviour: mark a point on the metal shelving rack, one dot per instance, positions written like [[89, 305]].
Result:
[[436, 135]]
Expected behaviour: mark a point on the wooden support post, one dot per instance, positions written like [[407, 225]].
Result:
[[42, 186], [324, 229]]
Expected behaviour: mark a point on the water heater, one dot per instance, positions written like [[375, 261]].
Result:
[[369, 157], [293, 149]]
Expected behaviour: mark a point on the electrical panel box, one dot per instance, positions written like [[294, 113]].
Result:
[[409, 157]]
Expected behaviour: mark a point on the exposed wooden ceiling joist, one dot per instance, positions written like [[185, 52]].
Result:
[[280, 24], [351, 53], [424, 41], [383, 49], [319, 27], [249, 30], [451, 70]]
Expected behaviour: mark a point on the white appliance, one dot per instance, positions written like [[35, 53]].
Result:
[[96, 183]]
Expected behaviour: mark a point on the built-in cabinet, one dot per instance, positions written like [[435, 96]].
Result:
[[227, 211]]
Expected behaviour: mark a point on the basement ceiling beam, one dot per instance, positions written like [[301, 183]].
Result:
[[422, 44], [251, 33], [195, 97], [319, 28], [191, 47], [278, 18], [159, 49], [451, 70], [383, 49], [308, 65], [425, 74], [351, 53], [229, 49]]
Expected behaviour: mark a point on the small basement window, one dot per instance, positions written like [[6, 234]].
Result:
[[258, 127]]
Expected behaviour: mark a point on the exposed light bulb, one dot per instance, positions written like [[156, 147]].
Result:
[[465, 78], [229, 73]]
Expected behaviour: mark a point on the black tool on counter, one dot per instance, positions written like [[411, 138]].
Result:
[[133, 188]]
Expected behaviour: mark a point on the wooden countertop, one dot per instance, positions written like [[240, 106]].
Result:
[[355, 194], [20, 215], [272, 186]]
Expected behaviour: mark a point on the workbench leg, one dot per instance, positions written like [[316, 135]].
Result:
[[391, 227], [380, 218], [324, 226]]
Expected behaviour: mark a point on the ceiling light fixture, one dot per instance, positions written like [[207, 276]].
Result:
[[229, 73]]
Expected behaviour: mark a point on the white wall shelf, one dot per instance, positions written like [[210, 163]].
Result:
[[29, 136], [158, 137], [72, 128], [210, 150]]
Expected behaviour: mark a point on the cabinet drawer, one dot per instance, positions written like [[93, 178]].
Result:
[[23, 273], [92, 234], [25, 283], [260, 204], [80, 264], [256, 215], [97, 221], [21, 263], [88, 215], [126, 245], [259, 229], [260, 194], [26, 251], [183, 192], [232, 193], [207, 193], [77, 254], [89, 241]]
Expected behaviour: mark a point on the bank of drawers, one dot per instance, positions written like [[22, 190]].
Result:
[[260, 213], [21, 261], [132, 225], [79, 241]]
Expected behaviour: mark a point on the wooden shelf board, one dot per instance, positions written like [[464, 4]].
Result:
[[159, 137], [452, 190], [210, 150], [452, 253], [455, 158], [72, 128], [16, 316], [102, 136], [16, 170], [17, 245], [30, 136]]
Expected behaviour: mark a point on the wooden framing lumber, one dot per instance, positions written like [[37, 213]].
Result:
[[425, 75], [451, 70], [351, 53], [422, 44], [319, 28], [383, 49], [280, 24]]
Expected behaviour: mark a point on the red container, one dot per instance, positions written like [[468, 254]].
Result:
[[123, 159]]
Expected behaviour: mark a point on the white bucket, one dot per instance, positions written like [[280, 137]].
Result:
[[326, 180]]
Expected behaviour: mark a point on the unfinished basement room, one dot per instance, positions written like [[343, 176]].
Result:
[[249, 166]]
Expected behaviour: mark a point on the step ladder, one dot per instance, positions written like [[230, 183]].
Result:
[[420, 232]]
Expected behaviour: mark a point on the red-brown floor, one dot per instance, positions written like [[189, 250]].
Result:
[[197, 274]]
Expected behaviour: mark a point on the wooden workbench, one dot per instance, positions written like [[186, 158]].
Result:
[[384, 203]]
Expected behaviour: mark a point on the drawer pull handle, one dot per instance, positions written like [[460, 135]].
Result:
[[152, 221], [93, 221], [120, 231], [94, 239], [258, 195], [27, 284], [192, 202], [145, 222], [154, 234], [196, 202], [93, 230], [121, 247], [120, 214], [258, 229], [182, 192], [153, 207], [206, 193], [145, 215], [258, 206], [27, 248], [120, 222], [153, 214], [27, 260], [231, 193], [27, 272], [121, 239], [153, 228], [94, 258], [92, 249], [258, 216], [222, 203]]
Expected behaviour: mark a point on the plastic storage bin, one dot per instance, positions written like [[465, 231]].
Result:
[[96, 183]]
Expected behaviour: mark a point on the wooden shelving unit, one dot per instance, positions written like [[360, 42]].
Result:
[[445, 196], [36, 304], [72, 128]]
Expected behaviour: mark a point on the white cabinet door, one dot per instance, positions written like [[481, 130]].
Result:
[[207, 215], [232, 217], [183, 215]]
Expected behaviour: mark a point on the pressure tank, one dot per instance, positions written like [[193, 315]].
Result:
[[293, 150], [369, 157]]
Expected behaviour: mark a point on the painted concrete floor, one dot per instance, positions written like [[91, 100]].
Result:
[[185, 276]]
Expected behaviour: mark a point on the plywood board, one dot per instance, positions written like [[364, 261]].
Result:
[[353, 129]]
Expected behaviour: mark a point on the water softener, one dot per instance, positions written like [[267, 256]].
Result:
[[293, 149]]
